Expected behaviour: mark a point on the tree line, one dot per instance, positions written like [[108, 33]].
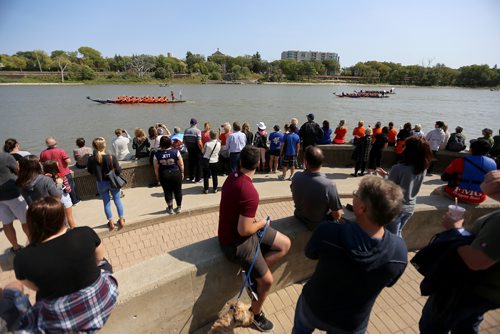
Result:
[[87, 63]]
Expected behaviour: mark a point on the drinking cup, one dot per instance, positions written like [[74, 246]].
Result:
[[456, 212]]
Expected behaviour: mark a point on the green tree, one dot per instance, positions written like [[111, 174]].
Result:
[[332, 66], [195, 62], [42, 59], [80, 72], [215, 76], [19, 62], [477, 76], [92, 58], [62, 62]]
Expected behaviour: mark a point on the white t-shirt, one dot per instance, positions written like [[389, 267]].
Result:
[[210, 146]]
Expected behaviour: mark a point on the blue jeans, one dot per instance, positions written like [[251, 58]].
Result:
[[397, 226], [234, 161], [104, 188], [461, 317], [305, 322]]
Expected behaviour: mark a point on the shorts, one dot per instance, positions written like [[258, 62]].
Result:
[[275, 153], [66, 200], [290, 161], [244, 253], [12, 209]]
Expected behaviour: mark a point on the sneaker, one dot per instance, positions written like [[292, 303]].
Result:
[[193, 181], [188, 179], [154, 184], [281, 178], [205, 191], [216, 190], [354, 174], [262, 323], [170, 211], [178, 210]]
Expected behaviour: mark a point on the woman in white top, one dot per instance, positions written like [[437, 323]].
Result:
[[210, 161]]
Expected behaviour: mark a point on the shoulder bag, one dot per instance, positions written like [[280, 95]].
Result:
[[206, 161], [117, 181]]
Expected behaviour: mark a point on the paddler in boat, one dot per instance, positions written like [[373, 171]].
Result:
[[172, 95]]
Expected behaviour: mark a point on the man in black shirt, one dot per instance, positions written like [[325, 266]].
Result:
[[310, 132], [356, 261]]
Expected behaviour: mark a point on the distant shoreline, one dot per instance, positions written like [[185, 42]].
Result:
[[288, 83], [41, 84]]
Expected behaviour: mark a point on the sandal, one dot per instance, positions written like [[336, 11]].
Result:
[[121, 223], [111, 226]]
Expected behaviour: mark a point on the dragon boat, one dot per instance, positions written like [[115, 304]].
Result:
[[137, 100]]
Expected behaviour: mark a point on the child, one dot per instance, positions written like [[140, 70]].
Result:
[[51, 169]]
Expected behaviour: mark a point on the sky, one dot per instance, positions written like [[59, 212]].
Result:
[[424, 32]]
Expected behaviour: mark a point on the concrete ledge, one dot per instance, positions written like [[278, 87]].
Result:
[[140, 173], [185, 289]]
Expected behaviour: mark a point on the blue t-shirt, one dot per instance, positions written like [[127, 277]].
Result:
[[275, 139], [167, 159], [291, 140], [327, 137]]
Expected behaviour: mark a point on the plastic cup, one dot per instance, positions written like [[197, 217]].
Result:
[[456, 212]]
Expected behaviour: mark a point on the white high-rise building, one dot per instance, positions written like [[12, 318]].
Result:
[[309, 55]]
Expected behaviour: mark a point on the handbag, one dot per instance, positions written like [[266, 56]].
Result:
[[117, 181], [205, 162]]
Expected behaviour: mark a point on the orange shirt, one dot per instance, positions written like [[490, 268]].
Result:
[[359, 131], [376, 131], [391, 135], [340, 135]]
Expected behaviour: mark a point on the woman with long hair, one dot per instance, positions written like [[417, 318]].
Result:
[[64, 268], [245, 128], [327, 133], [99, 165], [340, 132], [169, 169], [140, 144], [205, 133], [51, 169], [32, 182], [409, 175]]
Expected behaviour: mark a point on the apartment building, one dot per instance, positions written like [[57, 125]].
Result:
[[309, 55]]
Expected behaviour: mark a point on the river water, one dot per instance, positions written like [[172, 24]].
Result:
[[30, 113]]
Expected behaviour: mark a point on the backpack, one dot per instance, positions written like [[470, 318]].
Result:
[[456, 143]]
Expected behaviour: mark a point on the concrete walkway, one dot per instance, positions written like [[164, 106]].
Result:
[[149, 232]]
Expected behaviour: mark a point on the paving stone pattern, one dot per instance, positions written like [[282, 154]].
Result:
[[397, 309]]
